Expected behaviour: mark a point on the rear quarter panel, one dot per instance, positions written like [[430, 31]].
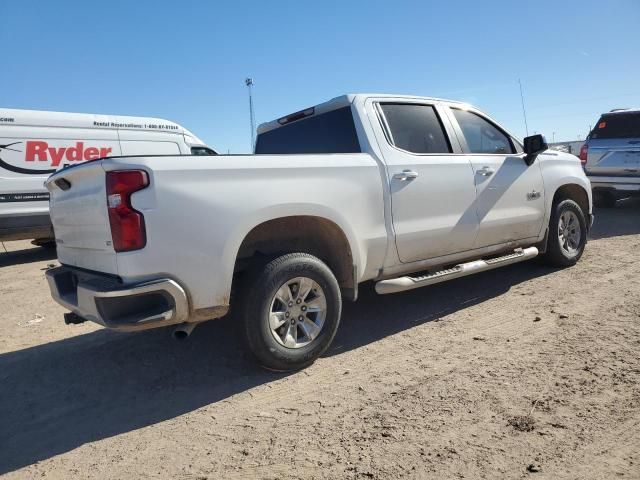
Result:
[[199, 209]]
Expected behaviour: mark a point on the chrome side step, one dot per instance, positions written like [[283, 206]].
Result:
[[401, 284]]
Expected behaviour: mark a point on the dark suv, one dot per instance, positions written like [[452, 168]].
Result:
[[611, 157]]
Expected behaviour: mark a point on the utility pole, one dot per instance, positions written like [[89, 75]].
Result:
[[524, 112], [249, 83]]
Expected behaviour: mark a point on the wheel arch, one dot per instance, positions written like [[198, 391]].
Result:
[[311, 234], [575, 192], [566, 191]]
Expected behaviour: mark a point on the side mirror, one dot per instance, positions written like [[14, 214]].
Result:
[[533, 146]]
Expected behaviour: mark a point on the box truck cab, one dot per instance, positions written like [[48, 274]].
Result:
[[35, 144]]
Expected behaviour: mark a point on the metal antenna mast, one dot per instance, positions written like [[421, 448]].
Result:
[[524, 112], [249, 83]]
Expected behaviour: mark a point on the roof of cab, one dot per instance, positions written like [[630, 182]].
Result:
[[41, 118], [348, 99]]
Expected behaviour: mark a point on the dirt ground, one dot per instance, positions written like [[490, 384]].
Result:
[[521, 372]]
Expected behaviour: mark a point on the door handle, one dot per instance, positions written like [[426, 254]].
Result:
[[486, 171], [406, 175]]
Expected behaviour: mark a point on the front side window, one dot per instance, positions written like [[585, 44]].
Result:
[[415, 128], [481, 135]]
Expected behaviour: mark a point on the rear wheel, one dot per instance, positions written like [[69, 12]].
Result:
[[567, 234], [290, 311]]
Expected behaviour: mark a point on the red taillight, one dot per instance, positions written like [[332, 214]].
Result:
[[584, 151], [127, 224]]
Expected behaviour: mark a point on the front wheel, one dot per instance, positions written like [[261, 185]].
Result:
[[567, 234], [290, 311]]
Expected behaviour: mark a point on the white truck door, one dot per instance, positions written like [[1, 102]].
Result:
[[510, 201], [431, 183]]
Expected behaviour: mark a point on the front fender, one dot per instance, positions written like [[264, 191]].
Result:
[[560, 169]]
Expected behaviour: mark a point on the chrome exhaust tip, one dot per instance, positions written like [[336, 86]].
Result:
[[183, 330]]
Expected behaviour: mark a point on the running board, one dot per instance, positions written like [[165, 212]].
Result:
[[401, 284]]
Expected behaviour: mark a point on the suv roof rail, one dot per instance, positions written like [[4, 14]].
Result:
[[618, 110]]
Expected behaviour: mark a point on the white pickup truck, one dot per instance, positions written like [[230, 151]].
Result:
[[404, 191]]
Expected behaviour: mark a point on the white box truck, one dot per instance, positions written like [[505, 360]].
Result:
[[35, 144]]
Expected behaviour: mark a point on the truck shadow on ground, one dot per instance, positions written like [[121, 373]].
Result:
[[61, 395], [28, 255], [624, 219]]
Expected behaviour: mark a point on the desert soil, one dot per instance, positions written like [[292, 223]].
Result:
[[525, 371]]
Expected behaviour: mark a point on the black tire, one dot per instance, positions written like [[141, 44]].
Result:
[[556, 255], [604, 200], [255, 310]]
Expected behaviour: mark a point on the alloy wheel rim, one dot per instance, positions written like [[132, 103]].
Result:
[[569, 233], [298, 312]]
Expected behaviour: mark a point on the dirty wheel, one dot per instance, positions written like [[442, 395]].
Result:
[[567, 234], [291, 311]]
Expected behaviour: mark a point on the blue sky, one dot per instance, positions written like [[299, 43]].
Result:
[[186, 61]]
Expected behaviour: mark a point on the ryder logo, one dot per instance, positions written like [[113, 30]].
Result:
[[13, 168], [39, 153]]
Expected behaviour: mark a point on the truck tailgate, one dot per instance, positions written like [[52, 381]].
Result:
[[78, 208], [614, 157]]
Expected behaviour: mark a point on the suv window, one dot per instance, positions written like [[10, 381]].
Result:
[[481, 135], [415, 128], [331, 132], [618, 125]]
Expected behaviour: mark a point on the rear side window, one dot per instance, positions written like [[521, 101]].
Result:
[[331, 132], [481, 135], [619, 125], [415, 128]]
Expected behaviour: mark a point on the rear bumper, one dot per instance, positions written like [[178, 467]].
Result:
[[622, 185], [105, 300]]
